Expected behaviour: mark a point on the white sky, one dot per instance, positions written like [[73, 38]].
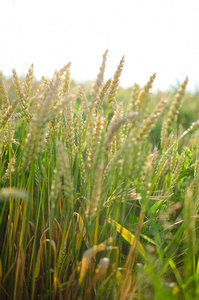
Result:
[[154, 35]]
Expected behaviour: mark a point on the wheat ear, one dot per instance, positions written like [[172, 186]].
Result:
[[98, 82], [4, 95], [140, 102], [135, 94], [9, 112], [174, 109], [150, 122], [84, 100], [20, 95], [28, 83], [66, 83], [176, 173], [115, 83]]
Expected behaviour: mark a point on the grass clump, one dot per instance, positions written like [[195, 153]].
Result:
[[89, 206]]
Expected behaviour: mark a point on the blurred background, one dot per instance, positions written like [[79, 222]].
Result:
[[155, 36]]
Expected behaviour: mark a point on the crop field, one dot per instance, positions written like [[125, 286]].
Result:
[[99, 189]]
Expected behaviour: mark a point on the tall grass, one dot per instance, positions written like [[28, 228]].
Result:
[[90, 208]]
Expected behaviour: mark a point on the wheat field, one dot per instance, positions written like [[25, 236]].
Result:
[[90, 206]]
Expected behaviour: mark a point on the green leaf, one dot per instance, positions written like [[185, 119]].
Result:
[[155, 207], [127, 235]]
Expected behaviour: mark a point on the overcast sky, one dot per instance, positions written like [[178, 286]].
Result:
[[154, 35]]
